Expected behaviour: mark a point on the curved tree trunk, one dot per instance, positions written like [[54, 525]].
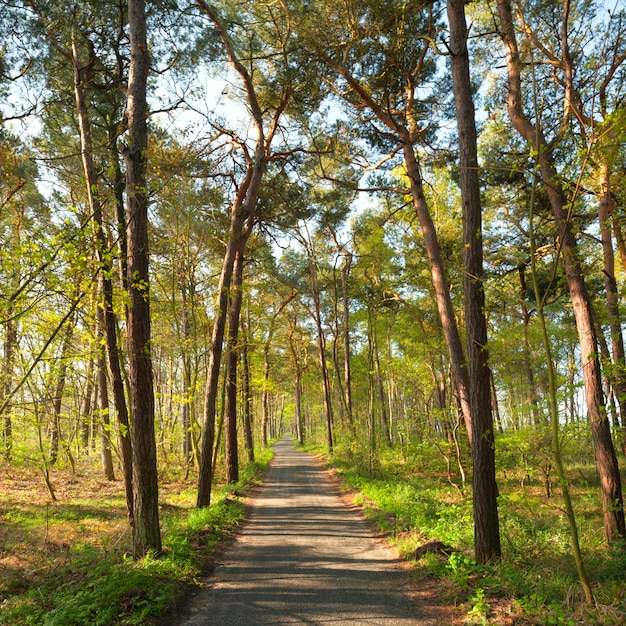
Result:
[[431, 242], [606, 459], [242, 210], [205, 477], [232, 351]]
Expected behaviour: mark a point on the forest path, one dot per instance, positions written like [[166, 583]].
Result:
[[304, 557]]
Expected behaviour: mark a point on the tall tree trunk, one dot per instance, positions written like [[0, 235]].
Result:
[[295, 362], [606, 459], [81, 79], [205, 477], [321, 342], [342, 330], [246, 390], [59, 386], [146, 530], [486, 525], [378, 378], [347, 375], [243, 209], [187, 385], [297, 385], [232, 351], [532, 398], [6, 381], [86, 406], [440, 284], [103, 403], [265, 401]]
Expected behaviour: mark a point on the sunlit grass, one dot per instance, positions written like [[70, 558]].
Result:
[[67, 563], [411, 498]]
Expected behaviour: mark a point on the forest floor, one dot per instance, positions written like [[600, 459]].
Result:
[[69, 556], [47, 544]]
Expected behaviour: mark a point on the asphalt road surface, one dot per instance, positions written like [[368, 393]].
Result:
[[304, 557]]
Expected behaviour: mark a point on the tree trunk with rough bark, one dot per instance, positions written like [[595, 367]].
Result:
[[321, 343], [485, 488], [246, 390], [146, 530], [606, 459], [232, 360]]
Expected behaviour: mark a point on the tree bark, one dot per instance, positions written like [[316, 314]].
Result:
[[532, 398], [232, 351], [246, 390], [186, 361], [606, 459], [103, 402], [300, 426], [109, 319], [86, 406], [9, 350], [378, 379], [486, 525], [59, 386], [146, 531]]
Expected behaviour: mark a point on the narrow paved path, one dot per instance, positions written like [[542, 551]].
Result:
[[304, 558]]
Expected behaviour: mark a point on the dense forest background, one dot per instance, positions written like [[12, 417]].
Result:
[[395, 230]]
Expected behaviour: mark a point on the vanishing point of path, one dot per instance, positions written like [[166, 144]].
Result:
[[304, 558]]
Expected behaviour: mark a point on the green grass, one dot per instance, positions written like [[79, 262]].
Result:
[[92, 586], [412, 500]]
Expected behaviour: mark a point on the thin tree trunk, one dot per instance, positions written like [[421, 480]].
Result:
[[246, 390], [86, 407], [205, 477], [378, 379], [431, 242], [606, 459], [57, 396], [103, 403], [299, 416], [81, 78], [347, 375], [321, 341], [9, 350], [187, 390], [532, 399], [232, 351], [243, 209]]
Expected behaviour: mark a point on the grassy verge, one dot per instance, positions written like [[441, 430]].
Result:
[[536, 580], [66, 564]]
